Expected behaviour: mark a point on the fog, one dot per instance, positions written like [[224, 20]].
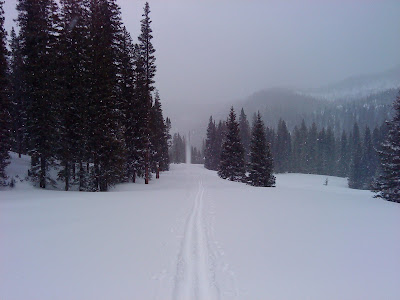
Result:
[[213, 52]]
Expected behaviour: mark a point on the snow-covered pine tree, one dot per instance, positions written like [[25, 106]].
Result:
[[126, 87], [4, 102], [38, 23], [159, 143], [261, 163], [106, 142], [73, 46], [146, 53], [209, 151], [245, 134], [232, 166], [140, 113], [220, 134], [18, 105], [388, 183]]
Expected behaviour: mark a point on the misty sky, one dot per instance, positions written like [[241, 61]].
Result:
[[223, 50]]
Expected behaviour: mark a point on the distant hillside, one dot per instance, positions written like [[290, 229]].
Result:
[[357, 86], [365, 99], [275, 104]]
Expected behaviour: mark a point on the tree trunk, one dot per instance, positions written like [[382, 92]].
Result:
[[146, 180], [81, 176], [73, 170], [42, 172], [66, 176]]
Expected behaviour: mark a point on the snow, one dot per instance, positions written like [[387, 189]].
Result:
[[192, 235]]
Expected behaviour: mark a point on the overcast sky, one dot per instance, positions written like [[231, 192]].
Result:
[[222, 50]]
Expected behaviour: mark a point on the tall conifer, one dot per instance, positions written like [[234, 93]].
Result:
[[261, 163], [388, 183], [38, 22], [4, 102], [232, 165], [148, 59]]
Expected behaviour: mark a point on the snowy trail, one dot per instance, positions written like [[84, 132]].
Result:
[[192, 235], [195, 273]]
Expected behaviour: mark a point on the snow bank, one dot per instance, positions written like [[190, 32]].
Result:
[[192, 235]]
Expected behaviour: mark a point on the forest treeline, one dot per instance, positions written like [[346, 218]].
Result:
[[78, 95], [307, 149]]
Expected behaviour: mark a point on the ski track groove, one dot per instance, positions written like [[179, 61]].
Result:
[[195, 269]]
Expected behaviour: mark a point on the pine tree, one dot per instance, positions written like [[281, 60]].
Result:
[[147, 57], [140, 114], [343, 162], [303, 133], [158, 138], [4, 102], [311, 149], [38, 34], [388, 183], [128, 102], [367, 160], [283, 148], [73, 45], [321, 152], [355, 179], [209, 151], [220, 135], [261, 163], [232, 166], [245, 134], [330, 152], [178, 149], [106, 143], [18, 105]]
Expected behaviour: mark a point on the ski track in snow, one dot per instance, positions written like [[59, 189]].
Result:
[[195, 268]]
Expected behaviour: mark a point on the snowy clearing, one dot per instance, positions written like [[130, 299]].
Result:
[[191, 235]]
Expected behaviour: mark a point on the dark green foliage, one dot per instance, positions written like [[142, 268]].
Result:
[[344, 157], [311, 149], [5, 124], [106, 136], [81, 94], [232, 165], [39, 26], [368, 160], [158, 137], [282, 148], [73, 87], [18, 105], [245, 134], [388, 183], [261, 163], [178, 149], [147, 66], [210, 157], [355, 175]]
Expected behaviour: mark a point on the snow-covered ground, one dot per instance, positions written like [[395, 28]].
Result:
[[191, 235]]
